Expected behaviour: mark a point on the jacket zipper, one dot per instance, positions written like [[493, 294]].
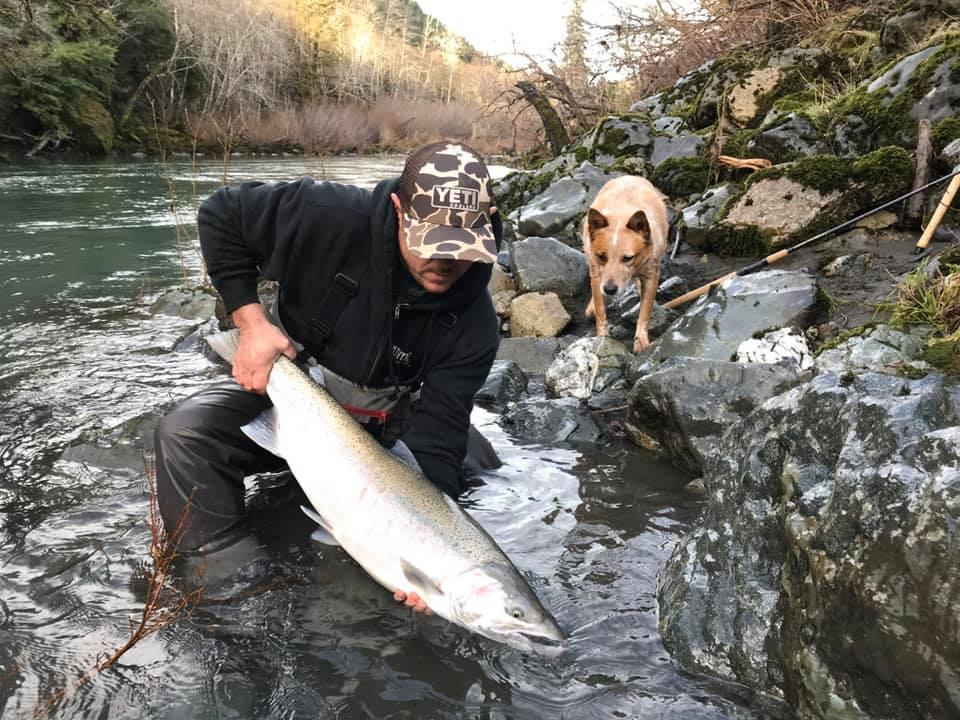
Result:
[[376, 359]]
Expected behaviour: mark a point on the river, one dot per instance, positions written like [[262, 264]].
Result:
[[86, 368]]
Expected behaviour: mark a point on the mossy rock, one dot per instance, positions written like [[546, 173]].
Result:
[[945, 132], [944, 354], [681, 176], [890, 118], [739, 240]]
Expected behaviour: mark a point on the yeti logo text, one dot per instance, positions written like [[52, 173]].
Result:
[[456, 198]]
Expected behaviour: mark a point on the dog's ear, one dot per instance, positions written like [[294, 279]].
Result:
[[596, 220], [638, 223]]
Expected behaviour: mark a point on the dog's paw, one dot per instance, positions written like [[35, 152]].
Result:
[[641, 343], [589, 311]]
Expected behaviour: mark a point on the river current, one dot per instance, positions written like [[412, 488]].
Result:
[[86, 368]]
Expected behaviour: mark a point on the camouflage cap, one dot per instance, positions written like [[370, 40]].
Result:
[[445, 194]]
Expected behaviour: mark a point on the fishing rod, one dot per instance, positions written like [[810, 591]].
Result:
[[780, 254]]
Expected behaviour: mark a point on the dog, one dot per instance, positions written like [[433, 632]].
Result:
[[624, 239]]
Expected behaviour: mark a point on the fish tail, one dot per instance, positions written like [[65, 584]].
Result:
[[225, 344]]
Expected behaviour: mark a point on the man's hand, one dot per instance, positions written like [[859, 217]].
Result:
[[412, 600], [261, 343]]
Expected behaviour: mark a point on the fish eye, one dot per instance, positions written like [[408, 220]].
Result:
[[517, 613]]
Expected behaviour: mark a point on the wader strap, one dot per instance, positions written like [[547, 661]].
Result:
[[345, 286]]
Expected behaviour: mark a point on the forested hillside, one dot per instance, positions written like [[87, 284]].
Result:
[[100, 75]]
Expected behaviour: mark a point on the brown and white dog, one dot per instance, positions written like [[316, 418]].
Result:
[[624, 238]]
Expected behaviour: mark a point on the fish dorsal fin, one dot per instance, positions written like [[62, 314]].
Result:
[[263, 431], [420, 579], [324, 531]]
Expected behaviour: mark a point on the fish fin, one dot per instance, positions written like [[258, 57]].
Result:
[[323, 533], [263, 431], [316, 374], [225, 344], [420, 579]]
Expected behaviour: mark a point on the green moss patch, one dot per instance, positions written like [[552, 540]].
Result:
[[681, 176], [945, 132], [944, 354], [739, 240]]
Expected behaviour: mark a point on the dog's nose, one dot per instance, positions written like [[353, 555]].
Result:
[[610, 289]]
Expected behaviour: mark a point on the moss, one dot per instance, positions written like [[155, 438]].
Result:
[[739, 240], [581, 154], [944, 354], [611, 139], [845, 335], [681, 176], [886, 170], [945, 132], [736, 144], [889, 117]]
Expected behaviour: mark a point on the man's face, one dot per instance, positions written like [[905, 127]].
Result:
[[433, 275]]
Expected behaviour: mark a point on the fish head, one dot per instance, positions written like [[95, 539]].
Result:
[[496, 602]]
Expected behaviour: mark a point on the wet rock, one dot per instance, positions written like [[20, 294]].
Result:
[[794, 136], [666, 147], [548, 265], [537, 315], [826, 566], [736, 311], [505, 382], [661, 319], [880, 349], [563, 202], [786, 346], [551, 421], [533, 355], [702, 214], [188, 303], [847, 265], [590, 365], [684, 406]]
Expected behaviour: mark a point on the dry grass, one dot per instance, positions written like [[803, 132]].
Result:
[[925, 298], [389, 124]]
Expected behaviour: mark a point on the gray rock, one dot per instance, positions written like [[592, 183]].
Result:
[[897, 78], [702, 214], [718, 322], [950, 155], [187, 303], [651, 105], [551, 421], [679, 146], [563, 202], [942, 100], [548, 265], [617, 137], [786, 346], [685, 405], [827, 561], [793, 137], [881, 349], [533, 355], [668, 125], [852, 137], [505, 382], [590, 365]]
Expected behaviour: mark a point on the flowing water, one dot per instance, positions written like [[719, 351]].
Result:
[[86, 368]]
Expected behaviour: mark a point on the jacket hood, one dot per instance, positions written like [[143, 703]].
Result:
[[473, 283]]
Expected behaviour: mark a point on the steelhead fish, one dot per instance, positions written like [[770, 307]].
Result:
[[406, 533]]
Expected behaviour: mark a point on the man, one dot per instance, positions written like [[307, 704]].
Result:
[[382, 291]]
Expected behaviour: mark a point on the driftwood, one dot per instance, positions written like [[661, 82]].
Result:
[[914, 210], [753, 164]]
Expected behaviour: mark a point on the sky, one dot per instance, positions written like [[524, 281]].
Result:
[[497, 27]]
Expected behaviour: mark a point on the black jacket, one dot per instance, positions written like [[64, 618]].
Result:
[[302, 234]]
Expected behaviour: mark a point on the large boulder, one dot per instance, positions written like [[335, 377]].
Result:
[[548, 265], [505, 382], [551, 421], [563, 203], [736, 311], [683, 408], [532, 354], [826, 568]]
